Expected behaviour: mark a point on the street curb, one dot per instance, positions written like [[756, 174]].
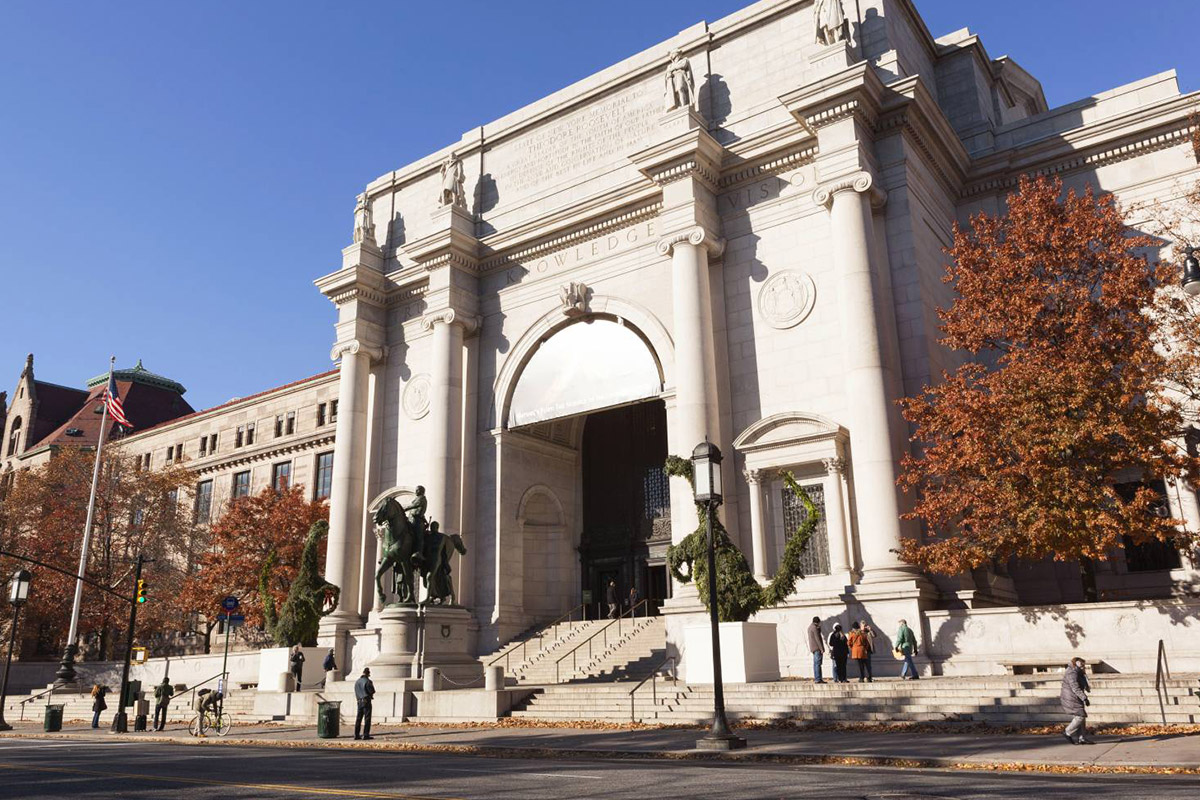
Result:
[[744, 756]]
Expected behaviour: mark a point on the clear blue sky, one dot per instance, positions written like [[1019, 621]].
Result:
[[174, 175]]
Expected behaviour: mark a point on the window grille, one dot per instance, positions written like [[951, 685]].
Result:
[[815, 560]]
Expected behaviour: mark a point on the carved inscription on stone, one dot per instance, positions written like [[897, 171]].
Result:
[[606, 245], [578, 141]]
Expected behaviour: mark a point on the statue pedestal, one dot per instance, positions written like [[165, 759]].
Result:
[[413, 639], [832, 58]]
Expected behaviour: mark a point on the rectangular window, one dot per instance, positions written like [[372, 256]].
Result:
[[170, 454], [241, 484], [291, 422], [179, 452], [250, 434], [281, 476], [240, 436], [212, 443], [324, 482], [815, 560], [333, 411], [146, 462], [203, 500], [203, 445], [320, 416], [278, 425]]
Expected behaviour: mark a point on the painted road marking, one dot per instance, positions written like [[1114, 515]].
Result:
[[279, 787], [521, 773]]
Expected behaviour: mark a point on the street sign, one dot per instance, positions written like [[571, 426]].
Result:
[[221, 617], [230, 603], [236, 620], [140, 654]]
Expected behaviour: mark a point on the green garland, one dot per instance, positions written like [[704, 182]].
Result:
[[740, 595]]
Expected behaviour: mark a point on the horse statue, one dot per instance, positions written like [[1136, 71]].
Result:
[[435, 571], [397, 546]]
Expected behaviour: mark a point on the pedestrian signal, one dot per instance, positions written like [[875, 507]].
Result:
[[141, 591]]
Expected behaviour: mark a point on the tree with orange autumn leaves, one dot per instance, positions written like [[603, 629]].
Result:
[[42, 517], [1064, 390], [242, 540]]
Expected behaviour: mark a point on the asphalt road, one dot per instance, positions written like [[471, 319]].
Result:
[[60, 769]]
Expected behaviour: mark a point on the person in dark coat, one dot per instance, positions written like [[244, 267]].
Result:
[[162, 698], [1074, 699], [297, 665], [330, 667], [610, 597], [98, 702], [839, 650], [816, 646], [364, 693]]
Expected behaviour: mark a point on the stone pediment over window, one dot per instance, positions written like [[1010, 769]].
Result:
[[791, 437]]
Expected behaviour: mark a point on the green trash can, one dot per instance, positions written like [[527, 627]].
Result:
[[329, 718], [53, 721]]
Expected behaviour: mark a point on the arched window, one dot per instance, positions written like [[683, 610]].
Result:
[[14, 436]]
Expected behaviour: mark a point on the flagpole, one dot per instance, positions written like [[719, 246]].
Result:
[[66, 669]]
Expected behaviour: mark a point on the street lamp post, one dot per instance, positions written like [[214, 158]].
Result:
[[18, 593], [706, 473], [1191, 272]]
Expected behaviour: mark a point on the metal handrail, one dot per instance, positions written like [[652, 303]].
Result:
[[653, 678], [567, 617], [573, 652], [33, 697], [1162, 668]]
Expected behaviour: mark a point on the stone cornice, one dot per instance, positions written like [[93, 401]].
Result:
[[449, 316], [355, 282], [695, 235], [771, 165], [573, 237], [860, 182], [689, 168], [913, 110], [855, 92], [264, 454]]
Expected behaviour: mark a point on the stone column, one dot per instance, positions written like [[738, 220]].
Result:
[[443, 481], [758, 524], [849, 200], [343, 554], [695, 371], [835, 517]]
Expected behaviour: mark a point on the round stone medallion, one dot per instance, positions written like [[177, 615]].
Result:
[[1127, 624], [786, 298], [416, 396]]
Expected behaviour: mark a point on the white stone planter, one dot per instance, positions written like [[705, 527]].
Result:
[[749, 653]]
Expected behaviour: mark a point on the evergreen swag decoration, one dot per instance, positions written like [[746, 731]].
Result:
[[741, 597], [298, 621]]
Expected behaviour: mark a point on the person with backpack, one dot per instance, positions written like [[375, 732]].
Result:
[[162, 698]]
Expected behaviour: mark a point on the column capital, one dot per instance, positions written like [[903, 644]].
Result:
[[696, 235], [449, 316], [752, 476], [834, 466], [354, 347], [861, 182]]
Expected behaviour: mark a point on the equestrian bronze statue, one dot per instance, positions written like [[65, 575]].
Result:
[[410, 546]]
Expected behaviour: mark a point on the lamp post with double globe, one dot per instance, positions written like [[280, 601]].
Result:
[[18, 593]]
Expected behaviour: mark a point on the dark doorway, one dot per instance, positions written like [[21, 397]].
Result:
[[626, 503]]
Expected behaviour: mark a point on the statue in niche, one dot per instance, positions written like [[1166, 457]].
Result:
[[680, 85], [830, 21], [452, 183], [573, 296], [364, 224]]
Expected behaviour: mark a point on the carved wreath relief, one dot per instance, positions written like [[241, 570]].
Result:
[[786, 299], [416, 397]]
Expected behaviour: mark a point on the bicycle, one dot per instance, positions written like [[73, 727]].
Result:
[[207, 720]]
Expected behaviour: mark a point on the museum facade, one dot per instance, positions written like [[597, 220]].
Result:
[[737, 236]]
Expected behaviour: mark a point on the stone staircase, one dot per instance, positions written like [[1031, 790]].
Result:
[[584, 651], [1003, 700], [239, 705]]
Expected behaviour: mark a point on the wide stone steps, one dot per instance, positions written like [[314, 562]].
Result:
[[1126, 700], [595, 650], [537, 648]]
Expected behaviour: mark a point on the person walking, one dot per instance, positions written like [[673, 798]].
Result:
[[860, 651], [816, 646], [162, 698], [610, 597], [906, 645], [1074, 699], [297, 665], [633, 597], [98, 702], [839, 651], [330, 667], [364, 693]]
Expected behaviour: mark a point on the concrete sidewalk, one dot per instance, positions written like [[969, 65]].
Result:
[[1165, 753]]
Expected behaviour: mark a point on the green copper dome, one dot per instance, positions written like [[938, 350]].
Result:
[[139, 374]]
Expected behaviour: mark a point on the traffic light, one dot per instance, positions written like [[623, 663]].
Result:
[[141, 591]]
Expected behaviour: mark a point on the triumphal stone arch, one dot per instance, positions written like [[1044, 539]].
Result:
[[735, 235]]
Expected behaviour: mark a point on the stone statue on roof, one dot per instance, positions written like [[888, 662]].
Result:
[[364, 223], [830, 21], [680, 84], [452, 183]]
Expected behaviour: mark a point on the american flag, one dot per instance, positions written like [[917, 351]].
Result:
[[112, 400]]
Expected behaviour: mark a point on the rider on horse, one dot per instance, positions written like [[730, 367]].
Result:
[[416, 516]]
